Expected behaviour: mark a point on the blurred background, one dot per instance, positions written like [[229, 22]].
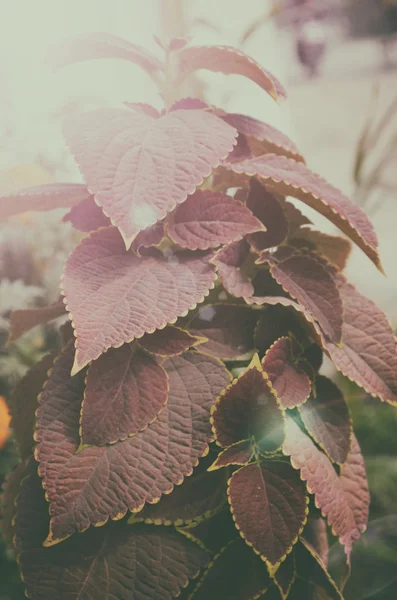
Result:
[[338, 60]]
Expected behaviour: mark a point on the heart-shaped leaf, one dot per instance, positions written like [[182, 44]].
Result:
[[265, 206], [115, 296], [228, 262], [269, 506], [343, 499], [43, 197], [326, 417], [291, 383], [125, 391], [210, 219], [229, 329], [140, 167], [23, 320], [262, 137], [89, 46], [239, 453], [85, 488], [227, 60], [236, 573], [114, 561], [87, 216], [368, 355], [291, 178], [169, 341], [248, 408], [309, 282]]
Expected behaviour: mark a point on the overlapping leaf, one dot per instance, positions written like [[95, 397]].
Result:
[[248, 408], [239, 453], [265, 206], [316, 534], [290, 382], [230, 61], [368, 355], [335, 248], [114, 561], [115, 296], [23, 320], [210, 219], [42, 197], [269, 506], [310, 282], [229, 329], [9, 494], [291, 178], [343, 499], [285, 575], [99, 483], [326, 417], [229, 261], [87, 216], [311, 569], [262, 137], [140, 167], [89, 46], [199, 496], [125, 391], [169, 341], [149, 237], [236, 573]]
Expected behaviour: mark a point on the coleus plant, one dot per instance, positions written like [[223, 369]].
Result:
[[183, 442]]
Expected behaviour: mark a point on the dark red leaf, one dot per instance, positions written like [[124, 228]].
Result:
[[368, 355], [290, 382], [236, 573], [239, 453], [89, 46], [228, 261], [314, 287], [115, 296], [311, 569], [294, 216], [9, 494], [23, 320], [140, 167], [210, 219], [326, 417], [269, 507], [170, 341], [263, 138], [276, 322], [316, 534], [43, 197], [336, 249], [116, 561], [86, 488], [126, 389], [291, 178], [266, 207], [199, 496], [248, 408], [285, 575], [87, 216], [229, 329], [343, 499], [230, 61], [23, 404]]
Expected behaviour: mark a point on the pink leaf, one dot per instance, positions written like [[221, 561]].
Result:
[[169, 341], [145, 108], [291, 384], [87, 216], [89, 46], [262, 137], [43, 197], [344, 499], [228, 261], [149, 237], [22, 321], [266, 207], [115, 296], [230, 61], [125, 391], [139, 167], [368, 355], [291, 178], [210, 219], [190, 104]]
